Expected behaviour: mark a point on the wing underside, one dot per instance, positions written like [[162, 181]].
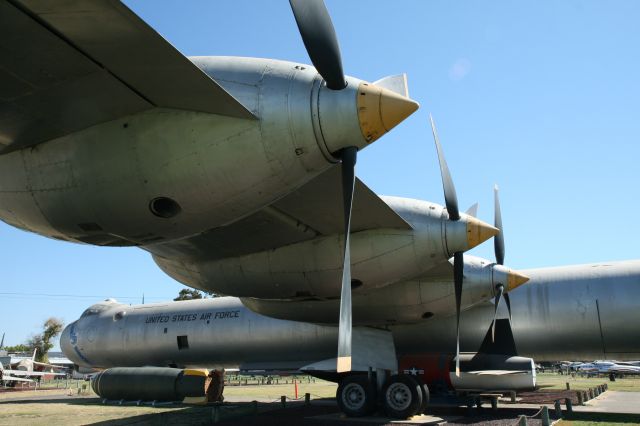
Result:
[[68, 65], [313, 210]]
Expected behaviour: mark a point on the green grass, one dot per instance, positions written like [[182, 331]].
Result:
[[556, 381]]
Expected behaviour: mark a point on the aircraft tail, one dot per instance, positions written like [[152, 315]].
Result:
[[2, 341], [33, 358]]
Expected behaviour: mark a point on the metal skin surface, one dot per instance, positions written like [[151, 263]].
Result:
[[221, 333], [578, 312], [95, 185], [554, 317], [404, 302], [379, 257], [498, 372]]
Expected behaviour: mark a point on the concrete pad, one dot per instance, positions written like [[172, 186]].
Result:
[[612, 402], [415, 420]]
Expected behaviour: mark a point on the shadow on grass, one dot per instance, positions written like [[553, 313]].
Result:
[[62, 400], [181, 416]]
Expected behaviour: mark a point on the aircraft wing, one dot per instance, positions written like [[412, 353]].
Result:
[[314, 209], [9, 378], [68, 65], [24, 373], [44, 364]]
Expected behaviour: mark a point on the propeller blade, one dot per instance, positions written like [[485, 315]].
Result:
[[319, 37], [500, 289], [450, 197], [344, 326], [498, 240], [508, 302], [458, 277]]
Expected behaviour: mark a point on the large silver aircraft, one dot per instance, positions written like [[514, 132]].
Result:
[[238, 176], [223, 168], [562, 312]]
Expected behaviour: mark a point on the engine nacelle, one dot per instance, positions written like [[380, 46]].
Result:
[[478, 371]]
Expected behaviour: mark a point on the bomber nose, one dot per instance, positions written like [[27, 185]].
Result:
[[65, 341]]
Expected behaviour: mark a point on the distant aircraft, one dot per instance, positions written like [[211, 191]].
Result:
[[30, 364], [23, 370], [607, 367]]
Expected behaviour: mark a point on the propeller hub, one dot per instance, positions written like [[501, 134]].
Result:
[[510, 279], [380, 110], [479, 231], [358, 114], [466, 233]]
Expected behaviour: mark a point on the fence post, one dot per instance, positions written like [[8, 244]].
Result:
[[544, 417], [558, 408], [569, 404]]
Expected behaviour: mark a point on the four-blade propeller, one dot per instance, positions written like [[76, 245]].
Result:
[[498, 245], [451, 202], [319, 37]]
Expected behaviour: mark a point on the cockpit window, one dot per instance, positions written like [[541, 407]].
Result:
[[90, 311], [97, 308]]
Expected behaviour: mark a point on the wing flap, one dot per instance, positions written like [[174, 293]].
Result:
[[318, 204]]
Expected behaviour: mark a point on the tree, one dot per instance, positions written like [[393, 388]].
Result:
[[43, 342], [16, 348], [188, 294]]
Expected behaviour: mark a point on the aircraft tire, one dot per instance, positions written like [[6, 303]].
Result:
[[401, 396], [425, 394], [356, 396]]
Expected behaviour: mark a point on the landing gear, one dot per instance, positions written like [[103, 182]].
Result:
[[425, 395], [356, 396], [402, 396]]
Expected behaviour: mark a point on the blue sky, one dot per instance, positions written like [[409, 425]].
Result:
[[541, 97]]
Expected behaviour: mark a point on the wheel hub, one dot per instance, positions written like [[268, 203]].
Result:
[[399, 396], [353, 396]]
